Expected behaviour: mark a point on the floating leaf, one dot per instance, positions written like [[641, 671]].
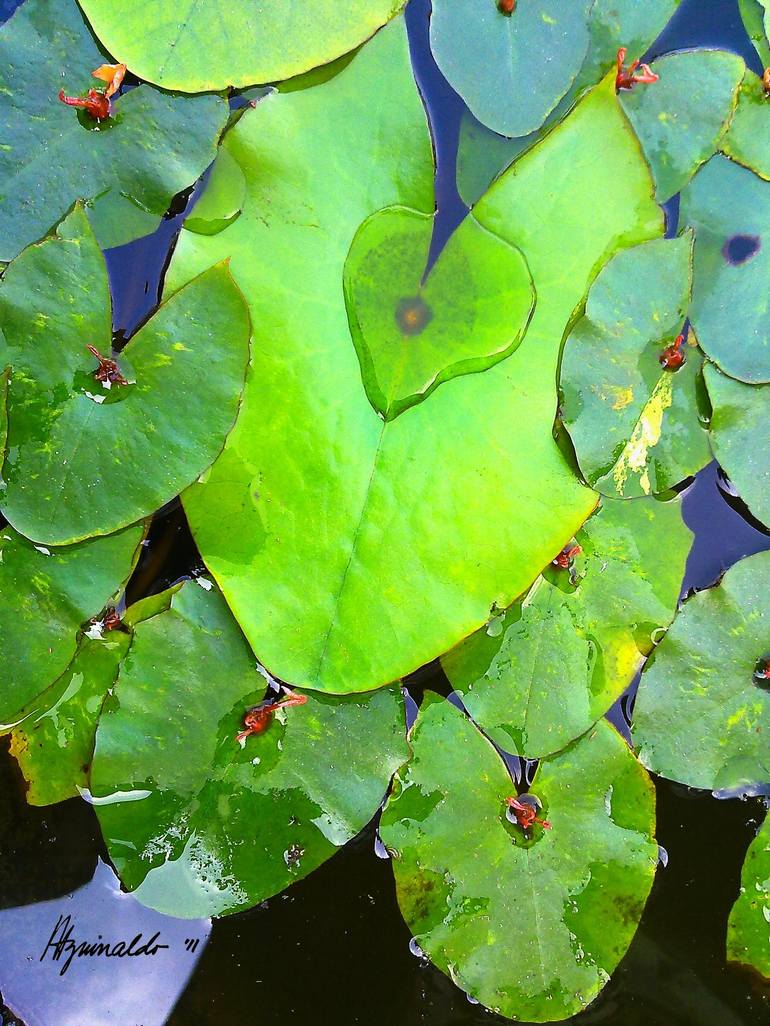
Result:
[[756, 18], [4, 379], [748, 138], [198, 824], [568, 898], [511, 70], [117, 220], [702, 714], [482, 154], [86, 459], [568, 652], [682, 117], [213, 46], [412, 332], [153, 146], [729, 208], [54, 743], [740, 437], [635, 424], [748, 929], [222, 199], [45, 597], [301, 520]]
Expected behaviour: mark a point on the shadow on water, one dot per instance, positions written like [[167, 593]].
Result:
[[333, 948]]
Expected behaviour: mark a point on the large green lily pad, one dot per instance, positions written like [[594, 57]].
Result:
[[748, 929], [153, 146], [755, 15], [482, 154], [635, 425], [198, 824], [413, 331], [511, 70], [301, 520], [729, 208], [531, 925], [748, 138], [46, 595], [199, 46], [85, 460], [740, 437], [54, 742], [702, 714], [567, 652], [681, 118]]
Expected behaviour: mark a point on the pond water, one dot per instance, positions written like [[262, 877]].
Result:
[[334, 948]]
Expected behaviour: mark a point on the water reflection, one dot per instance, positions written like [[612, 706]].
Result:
[[44, 981]]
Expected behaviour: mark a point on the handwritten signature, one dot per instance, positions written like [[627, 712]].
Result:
[[63, 946]]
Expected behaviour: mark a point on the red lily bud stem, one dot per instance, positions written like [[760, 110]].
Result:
[[627, 79]]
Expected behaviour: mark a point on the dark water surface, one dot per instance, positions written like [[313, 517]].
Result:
[[333, 949]]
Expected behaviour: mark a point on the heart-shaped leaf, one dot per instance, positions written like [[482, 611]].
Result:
[[681, 118], [630, 406], [84, 459], [151, 147], [569, 650], [511, 68], [729, 208], [740, 437], [46, 595], [212, 46], [413, 331], [748, 929], [748, 138], [301, 520], [529, 922], [702, 714], [199, 824]]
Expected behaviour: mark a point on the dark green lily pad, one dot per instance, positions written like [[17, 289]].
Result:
[[740, 437], [681, 118], [748, 929], [301, 520], [46, 595], [530, 924], [635, 425], [412, 332], [748, 138], [153, 146], [85, 460], [702, 714], [567, 652], [729, 208], [54, 742], [482, 154], [198, 824], [212, 46], [755, 17], [510, 70]]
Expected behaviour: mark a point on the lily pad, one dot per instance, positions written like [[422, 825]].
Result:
[[755, 14], [748, 138], [222, 200], [681, 118], [511, 69], [702, 714], [46, 595], [740, 437], [748, 929], [529, 923], [568, 651], [634, 423], [729, 208], [213, 46], [198, 824], [54, 742], [84, 459], [482, 154], [153, 145], [412, 330], [301, 520]]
